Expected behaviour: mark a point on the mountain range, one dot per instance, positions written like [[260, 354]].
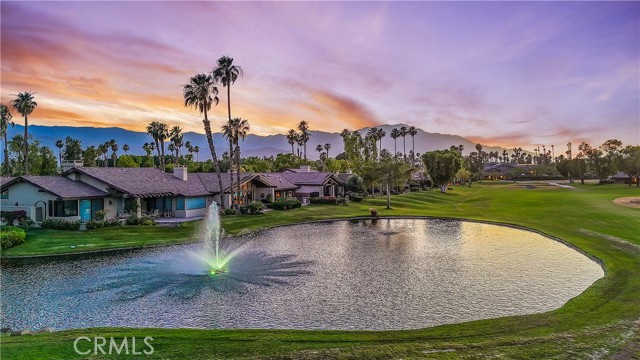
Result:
[[253, 145]]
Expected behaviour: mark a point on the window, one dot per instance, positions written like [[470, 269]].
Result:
[[180, 203], [4, 194], [65, 208], [196, 203]]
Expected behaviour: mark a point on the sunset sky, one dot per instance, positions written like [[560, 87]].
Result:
[[502, 73]]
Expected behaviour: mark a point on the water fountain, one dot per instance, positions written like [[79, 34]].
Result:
[[211, 231]]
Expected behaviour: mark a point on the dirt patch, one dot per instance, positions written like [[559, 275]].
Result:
[[631, 201]]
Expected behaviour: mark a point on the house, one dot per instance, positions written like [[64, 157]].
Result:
[[623, 178], [80, 192]]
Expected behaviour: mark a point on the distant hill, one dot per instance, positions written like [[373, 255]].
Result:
[[254, 145]]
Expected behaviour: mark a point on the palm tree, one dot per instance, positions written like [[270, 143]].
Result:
[[125, 148], [200, 93], [327, 146], [25, 104], [102, 150], [114, 148], [300, 142], [5, 121], [319, 149], [395, 134], [291, 139], [226, 73], [153, 130], [238, 130], [172, 148], [373, 134], [163, 134], [176, 139], [413, 132], [403, 133], [196, 149], [189, 148], [303, 126], [379, 135], [60, 145]]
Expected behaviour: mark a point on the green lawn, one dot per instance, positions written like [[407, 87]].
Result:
[[604, 320]]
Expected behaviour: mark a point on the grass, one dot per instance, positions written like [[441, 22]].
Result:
[[54, 242], [603, 320]]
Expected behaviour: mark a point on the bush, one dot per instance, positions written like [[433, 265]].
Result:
[[10, 216], [323, 200], [230, 211], [255, 207], [293, 203], [356, 197], [243, 210], [286, 204], [12, 236], [101, 214], [144, 220], [374, 212], [60, 224], [97, 224]]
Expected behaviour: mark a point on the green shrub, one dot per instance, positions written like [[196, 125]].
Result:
[[143, 220], [356, 197], [230, 211], [97, 224], [286, 204], [293, 203], [11, 236], [60, 224], [255, 207], [323, 200], [243, 210]]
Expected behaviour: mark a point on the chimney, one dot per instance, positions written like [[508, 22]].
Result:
[[70, 164], [305, 168], [180, 172]]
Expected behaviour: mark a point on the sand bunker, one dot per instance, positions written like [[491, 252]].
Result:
[[631, 201]]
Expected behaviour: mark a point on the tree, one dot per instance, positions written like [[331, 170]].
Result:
[[403, 133], [379, 135], [226, 73], [201, 93], [72, 149], [392, 172], [413, 132], [176, 138], [630, 162], [303, 127], [292, 136], [442, 166], [89, 156], [319, 149], [5, 121], [395, 134], [60, 145], [153, 129], [114, 149], [24, 104], [127, 161], [238, 130], [125, 148], [327, 146], [464, 175]]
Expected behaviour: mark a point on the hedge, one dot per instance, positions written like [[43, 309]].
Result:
[[60, 224], [323, 200], [11, 236]]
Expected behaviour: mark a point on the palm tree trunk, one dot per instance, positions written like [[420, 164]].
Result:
[[230, 147], [162, 157], [158, 150], [214, 156], [60, 157], [292, 153], [395, 147], [305, 150], [6, 155], [26, 145], [404, 148], [237, 153], [413, 146]]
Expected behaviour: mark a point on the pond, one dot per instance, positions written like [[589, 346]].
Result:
[[365, 275]]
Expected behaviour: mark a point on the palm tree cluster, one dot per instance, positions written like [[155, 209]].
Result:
[[24, 104], [201, 92], [299, 137]]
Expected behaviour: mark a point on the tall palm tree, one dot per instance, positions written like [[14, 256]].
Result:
[[226, 73], [303, 127], [403, 133], [163, 135], [153, 130], [60, 145], [395, 134], [6, 120], [238, 130], [413, 132], [291, 139], [125, 148], [24, 104], [176, 138], [319, 149], [373, 134], [201, 93], [196, 149], [380, 135], [327, 146], [172, 148], [114, 148], [300, 142]]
